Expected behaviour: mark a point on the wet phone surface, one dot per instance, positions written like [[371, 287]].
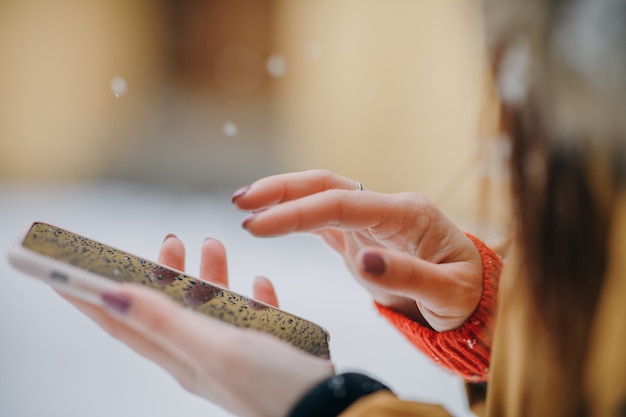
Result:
[[203, 297]]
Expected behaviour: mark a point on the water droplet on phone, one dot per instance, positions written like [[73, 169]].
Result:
[[118, 86]]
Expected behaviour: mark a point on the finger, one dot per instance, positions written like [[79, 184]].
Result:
[[338, 209], [451, 291], [213, 265], [132, 338], [286, 187], [164, 322], [263, 291], [172, 253]]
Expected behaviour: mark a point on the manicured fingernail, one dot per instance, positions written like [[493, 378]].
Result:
[[374, 263], [252, 217], [241, 191], [247, 221], [116, 302], [169, 235]]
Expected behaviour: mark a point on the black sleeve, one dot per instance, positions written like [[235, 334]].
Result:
[[333, 395]]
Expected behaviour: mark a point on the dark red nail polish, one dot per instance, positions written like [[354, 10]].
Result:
[[169, 235], [241, 191], [116, 302], [374, 263], [248, 220]]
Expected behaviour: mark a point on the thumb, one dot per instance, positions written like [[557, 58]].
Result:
[[446, 293], [399, 273], [394, 271]]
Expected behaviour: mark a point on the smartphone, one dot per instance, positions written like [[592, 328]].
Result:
[[84, 268]]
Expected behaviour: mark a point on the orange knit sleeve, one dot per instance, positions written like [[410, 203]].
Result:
[[466, 350]]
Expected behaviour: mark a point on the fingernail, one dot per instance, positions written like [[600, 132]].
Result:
[[374, 263], [169, 235], [260, 278], [116, 302], [252, 217], [248, 220], [241, 191]]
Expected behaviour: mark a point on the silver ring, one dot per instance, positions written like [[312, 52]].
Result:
[[360, 184]]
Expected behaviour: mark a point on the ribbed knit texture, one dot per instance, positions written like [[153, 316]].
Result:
[[466, 350]]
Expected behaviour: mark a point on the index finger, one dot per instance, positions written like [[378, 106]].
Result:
[[163, 322], [280, 188], [338, 209]]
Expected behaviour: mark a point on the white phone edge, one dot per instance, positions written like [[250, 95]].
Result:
[[62, 276], [78, 282]]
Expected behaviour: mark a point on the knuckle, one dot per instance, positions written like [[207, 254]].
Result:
[[188, 385], [113, 330], [417, 200], [157, 320], [194, 380], [324, 176], [321, 173]]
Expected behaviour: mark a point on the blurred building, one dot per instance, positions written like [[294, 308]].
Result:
[[215, 93]]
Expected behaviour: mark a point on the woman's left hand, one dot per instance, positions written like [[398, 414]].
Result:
[[245, 371]]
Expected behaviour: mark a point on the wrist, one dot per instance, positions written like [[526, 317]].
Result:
[[465, 350], [335, 394]]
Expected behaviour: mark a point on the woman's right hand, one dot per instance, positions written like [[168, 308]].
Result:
[[400, 247]]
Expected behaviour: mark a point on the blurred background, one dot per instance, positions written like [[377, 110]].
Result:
[[211, 94], [147, 114]]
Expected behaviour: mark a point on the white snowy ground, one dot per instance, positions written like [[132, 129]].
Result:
[[55, 362]]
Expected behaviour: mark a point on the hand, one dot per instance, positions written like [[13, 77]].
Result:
[[404, 251], [247, 372]]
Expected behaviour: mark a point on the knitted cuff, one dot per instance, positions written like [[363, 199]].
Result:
[[466, 350], [333, 395]]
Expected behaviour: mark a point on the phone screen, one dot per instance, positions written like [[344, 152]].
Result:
[[116, 265]]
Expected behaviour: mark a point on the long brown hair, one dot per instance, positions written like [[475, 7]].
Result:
[[563, 118]]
